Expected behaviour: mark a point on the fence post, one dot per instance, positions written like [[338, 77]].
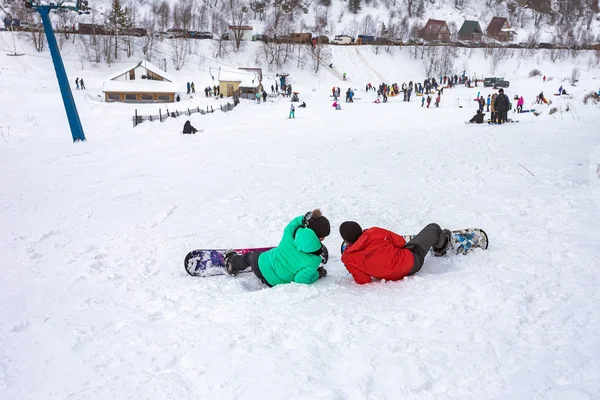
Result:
[[189, 113], [211, 109], [136, 119], [177, 113], [159, 115], [198, 109]]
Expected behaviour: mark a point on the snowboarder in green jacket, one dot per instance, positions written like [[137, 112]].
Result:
[[297, 258]]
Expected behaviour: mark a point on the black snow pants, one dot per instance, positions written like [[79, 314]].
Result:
[[502, 116], [430, 236], [241, 262]]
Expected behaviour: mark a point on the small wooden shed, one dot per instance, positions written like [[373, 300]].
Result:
[[143, 82], [237, 81]]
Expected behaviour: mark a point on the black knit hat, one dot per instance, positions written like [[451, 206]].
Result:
[[320, 225], [350, 231]]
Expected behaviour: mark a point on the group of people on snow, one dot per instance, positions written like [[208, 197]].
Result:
[[209, 91], [79, 84], [368, 253], [498, 104]]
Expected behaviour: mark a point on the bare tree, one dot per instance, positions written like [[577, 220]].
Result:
[[238, 15], [430, 62], [65, 20], [91, 44], [368, 25], [106, 42], [179, 52], [498, 54], [163, 14], [38, 37], [320, 53]]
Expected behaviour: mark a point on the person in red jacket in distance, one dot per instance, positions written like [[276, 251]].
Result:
[[379, 253]]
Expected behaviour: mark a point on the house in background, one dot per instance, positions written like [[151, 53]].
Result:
[[435, 29], [244, 30], [470, 30], [238, 82], [143, 82], [499, 29], [257, 71]]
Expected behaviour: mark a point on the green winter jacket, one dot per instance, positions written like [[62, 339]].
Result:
[[291, 261]]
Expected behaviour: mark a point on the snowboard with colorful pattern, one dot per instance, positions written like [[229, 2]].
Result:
[[464, 241], [211, 262]]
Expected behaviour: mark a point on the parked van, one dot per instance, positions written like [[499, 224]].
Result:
[[367, 39], [342, 39]]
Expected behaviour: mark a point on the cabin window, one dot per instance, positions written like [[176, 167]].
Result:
[[147, 97], [163, 97], [130, 96], [114, 96]]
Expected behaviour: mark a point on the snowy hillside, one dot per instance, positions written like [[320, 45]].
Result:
[[564, 22], [95, 303]]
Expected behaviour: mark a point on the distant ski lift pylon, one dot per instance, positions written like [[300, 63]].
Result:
[[14, 54]]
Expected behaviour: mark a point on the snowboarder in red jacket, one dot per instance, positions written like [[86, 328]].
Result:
[[379, 253]]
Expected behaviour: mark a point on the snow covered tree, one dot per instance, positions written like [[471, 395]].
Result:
[[354, 6], [117, 21]]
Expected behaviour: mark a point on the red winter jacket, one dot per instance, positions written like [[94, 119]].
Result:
[[378, 253]]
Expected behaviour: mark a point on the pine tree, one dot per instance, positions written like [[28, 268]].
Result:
[[354, 6], [384, 30], [117, 21]]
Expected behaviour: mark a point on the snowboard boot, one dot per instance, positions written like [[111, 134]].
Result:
[[439, 252], [229, 262]]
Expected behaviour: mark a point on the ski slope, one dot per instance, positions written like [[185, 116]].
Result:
[[95, 303]]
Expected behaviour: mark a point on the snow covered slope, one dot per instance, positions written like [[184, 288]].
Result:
[[95, 303]]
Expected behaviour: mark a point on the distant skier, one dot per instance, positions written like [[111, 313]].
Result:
[[189, 88], [344, 76], [188, 128], [437, 100], [488, 103], [193, 87], [520, 103], [303, 105], [382, 254], [297, 258], [77, 83], [422, 101], [428, 100], [81, 84], [292, 111]]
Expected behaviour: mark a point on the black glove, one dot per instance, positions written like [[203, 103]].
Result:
[[324, 254], [306, 218], [322, 272]]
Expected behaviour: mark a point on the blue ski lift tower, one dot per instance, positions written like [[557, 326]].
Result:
[[44, 7]]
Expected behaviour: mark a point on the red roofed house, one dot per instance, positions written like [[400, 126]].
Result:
[[435, 29], [499, 29]]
